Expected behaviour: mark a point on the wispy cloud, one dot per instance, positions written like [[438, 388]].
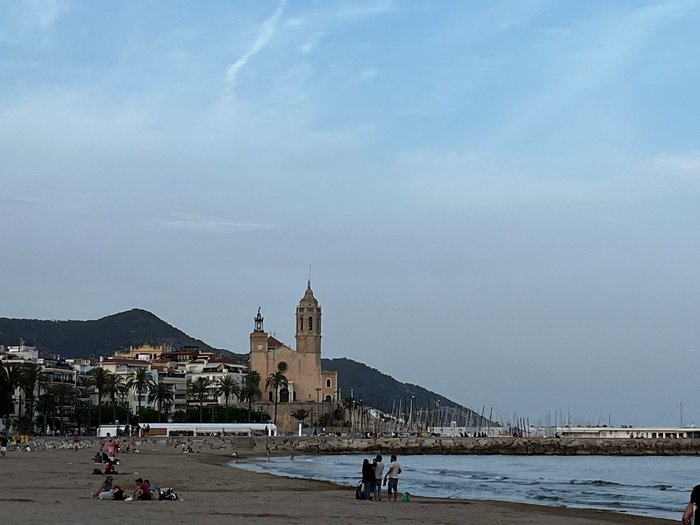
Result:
[[267, 31], [685, 166], [30, 20], [343, 12], [204, 223]]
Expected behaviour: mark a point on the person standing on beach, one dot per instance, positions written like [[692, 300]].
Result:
[[368, 479], [392, 475], [690, 508], [378, 471], [3, 444]]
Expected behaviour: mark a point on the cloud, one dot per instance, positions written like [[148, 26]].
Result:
[[30, 20], [344, 12], [204, 223], [267, 31], [684, 166]]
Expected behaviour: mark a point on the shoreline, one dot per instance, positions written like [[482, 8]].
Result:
[[54, 486]]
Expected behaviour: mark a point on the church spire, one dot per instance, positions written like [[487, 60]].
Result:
[[308, 317], [258, 322]]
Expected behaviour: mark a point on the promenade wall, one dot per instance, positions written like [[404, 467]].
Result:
[[287, 445]]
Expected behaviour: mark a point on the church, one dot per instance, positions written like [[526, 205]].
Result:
[[301, 366]]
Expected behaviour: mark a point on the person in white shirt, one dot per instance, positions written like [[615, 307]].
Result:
[[378, 471], [392, 475]]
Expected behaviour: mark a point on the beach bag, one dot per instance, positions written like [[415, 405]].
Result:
[[167, 494], [359, 491], [405, 497]]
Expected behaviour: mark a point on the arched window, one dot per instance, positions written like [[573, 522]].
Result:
[[301, 324], [284, 395], [328, 383], [328, 398], [311, 323]]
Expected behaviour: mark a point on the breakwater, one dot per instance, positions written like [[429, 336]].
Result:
[[288, 445], [438, 445]]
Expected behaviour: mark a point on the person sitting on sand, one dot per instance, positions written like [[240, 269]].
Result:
[[690, 508], [152, 489], [109, 467], [109, 490], [143, 491]]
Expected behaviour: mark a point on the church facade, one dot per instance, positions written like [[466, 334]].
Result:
[[301, 366]]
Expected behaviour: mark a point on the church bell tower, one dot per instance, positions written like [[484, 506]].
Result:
[[308, 316]]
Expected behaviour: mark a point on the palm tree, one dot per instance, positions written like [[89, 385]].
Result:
[[46, 404], [227, 386], [64, 395], [31, 374], [301, 414], [98, 379], [139, 382], [250, 391], [162, 394], [6, 391], [113, 386], [199, 389], [275, 381]]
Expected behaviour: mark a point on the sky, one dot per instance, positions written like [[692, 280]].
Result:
[[495, 200]]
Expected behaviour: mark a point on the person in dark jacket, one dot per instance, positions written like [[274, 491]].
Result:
[[368, 478], [690, 513]]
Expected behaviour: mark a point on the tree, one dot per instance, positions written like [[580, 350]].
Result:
[[30, 376], [46, 405], [162, 394], [199, 389], [275, 381], [98, 379], [250, 391], [7, 389], [113, 386], [140, 383], [227, 386]]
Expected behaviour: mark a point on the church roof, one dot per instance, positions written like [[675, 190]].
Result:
[[274, 343]]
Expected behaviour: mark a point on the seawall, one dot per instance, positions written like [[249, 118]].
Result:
[[404, 446]]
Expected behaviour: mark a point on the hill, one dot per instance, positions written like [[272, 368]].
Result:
[[94, 338], [376, 389], [84, 339]]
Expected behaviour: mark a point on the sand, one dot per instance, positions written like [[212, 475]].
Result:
[[55, 486]]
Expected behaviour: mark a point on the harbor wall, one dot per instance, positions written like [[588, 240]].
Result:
[[287, 445], [486, 446]]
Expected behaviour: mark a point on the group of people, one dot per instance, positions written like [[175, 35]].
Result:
[[110, 490], [372, 478]]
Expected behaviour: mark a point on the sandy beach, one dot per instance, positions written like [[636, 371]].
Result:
[[55, 487]]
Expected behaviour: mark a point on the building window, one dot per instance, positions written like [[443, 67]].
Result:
[[328, 398], [328, 383], [282, 366], [311, 323], [301, 324]]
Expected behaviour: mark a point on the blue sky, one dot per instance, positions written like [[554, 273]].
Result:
[[498, 200]]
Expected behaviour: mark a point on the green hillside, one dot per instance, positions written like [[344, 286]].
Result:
[[94, 338]]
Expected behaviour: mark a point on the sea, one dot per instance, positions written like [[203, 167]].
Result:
[[645, 486]]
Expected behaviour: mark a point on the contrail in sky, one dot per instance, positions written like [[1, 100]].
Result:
[[267, 31]]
